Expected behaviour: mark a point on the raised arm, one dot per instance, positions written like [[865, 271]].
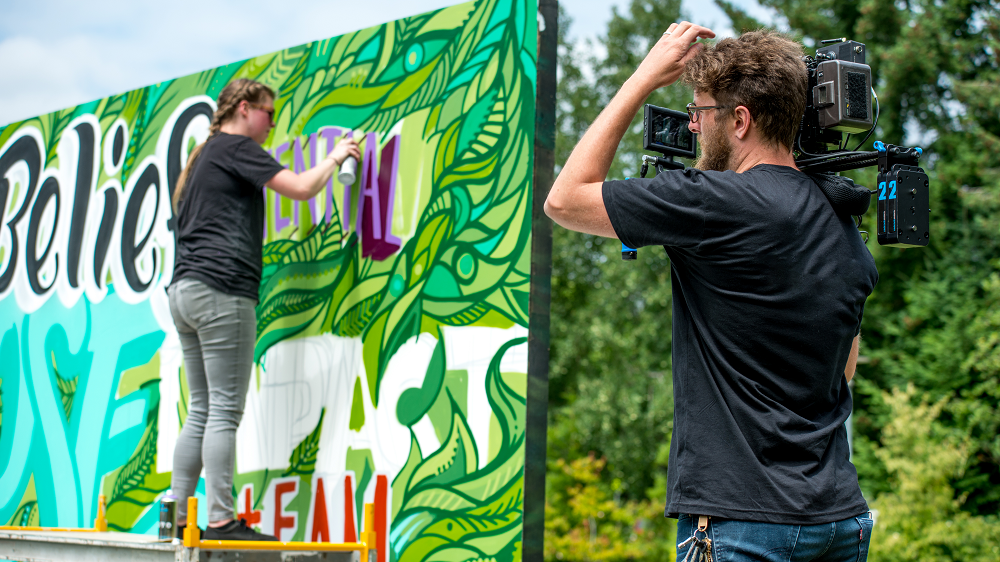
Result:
[[307, 184], [575, 200]]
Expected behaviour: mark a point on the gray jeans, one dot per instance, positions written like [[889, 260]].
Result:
[[217, 333]]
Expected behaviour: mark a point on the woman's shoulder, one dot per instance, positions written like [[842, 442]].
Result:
[[226, 140], [233, 148]]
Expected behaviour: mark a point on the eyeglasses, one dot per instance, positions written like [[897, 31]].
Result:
[[268, 110], [694, 111]]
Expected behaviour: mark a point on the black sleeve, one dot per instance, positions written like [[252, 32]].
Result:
[[668, 210], [254, 164], [874, 281]]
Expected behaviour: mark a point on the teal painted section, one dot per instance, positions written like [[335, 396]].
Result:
[[69, 456]]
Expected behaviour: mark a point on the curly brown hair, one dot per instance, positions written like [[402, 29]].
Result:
[[760, 70], [239, 90]]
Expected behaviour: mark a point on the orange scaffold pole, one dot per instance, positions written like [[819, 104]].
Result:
[[100, 522], [192, 538]]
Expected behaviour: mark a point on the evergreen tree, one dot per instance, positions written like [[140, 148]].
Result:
[[928, 456], [610, 359]]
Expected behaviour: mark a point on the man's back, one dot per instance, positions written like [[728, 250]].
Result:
[[769, 286]]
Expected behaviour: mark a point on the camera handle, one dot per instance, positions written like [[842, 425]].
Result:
[[661, 164]]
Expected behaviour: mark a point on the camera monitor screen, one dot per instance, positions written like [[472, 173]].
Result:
[[666, 131]]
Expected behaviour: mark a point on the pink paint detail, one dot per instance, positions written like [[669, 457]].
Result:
[[369, 207], [388, 172], [280, 221], [375, 205]]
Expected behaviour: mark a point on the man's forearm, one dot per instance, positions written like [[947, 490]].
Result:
[[575, 200], [592, 157]]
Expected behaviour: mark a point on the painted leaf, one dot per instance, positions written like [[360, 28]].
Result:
[[137, 483], [482, 530], [26, 514], [456, 458], [303, 459]]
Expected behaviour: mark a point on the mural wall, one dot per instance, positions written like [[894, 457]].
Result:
[[391, 338]]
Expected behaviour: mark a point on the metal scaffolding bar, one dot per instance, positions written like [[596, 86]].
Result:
[[86, 545]]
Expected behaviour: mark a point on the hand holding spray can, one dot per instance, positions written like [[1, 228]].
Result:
[[348, 171]]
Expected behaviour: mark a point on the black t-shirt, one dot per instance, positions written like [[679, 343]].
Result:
[[769, 286], [220, 220]]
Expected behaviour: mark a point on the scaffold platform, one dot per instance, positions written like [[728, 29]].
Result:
[[38, 544], [56, 546]]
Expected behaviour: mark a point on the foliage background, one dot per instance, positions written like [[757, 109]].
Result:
[[927, 390]]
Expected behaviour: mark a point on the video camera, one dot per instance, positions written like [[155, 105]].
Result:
[[838, 103]]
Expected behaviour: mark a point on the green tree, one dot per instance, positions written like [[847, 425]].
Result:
[[936, 70], [610, 367], [932, 318], [921, 518], [588, 522], [932, 322]]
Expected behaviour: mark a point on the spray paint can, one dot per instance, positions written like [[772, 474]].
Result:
[[168, 517], [348, 171]]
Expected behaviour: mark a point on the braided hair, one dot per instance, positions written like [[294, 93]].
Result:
[[240, 90]]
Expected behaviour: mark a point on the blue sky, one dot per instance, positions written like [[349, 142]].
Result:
[[60, 53]]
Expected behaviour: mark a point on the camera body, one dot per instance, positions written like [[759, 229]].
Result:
[[838, 103], [838, 98]]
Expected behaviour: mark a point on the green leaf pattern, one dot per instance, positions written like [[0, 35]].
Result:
[[453, 511], [460, 83]]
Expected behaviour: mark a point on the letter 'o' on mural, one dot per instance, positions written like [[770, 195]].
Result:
[[391, 355]]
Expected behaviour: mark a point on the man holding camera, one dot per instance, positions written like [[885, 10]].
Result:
[[769, 284]]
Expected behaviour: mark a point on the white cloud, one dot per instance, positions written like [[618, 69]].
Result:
[[60, 53]]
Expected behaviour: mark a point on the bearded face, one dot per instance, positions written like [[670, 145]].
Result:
[[716, 149]]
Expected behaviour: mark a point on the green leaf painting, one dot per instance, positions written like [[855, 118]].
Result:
[[67, 387], [136, 484], [390, 357], [303, 459], [458, 82], [451, 509]]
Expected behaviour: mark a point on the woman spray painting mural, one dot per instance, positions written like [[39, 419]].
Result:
[[220, 220]]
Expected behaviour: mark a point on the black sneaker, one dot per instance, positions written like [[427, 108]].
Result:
[[235, 531]]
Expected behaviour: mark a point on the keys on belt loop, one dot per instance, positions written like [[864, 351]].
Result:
[[701, 548]]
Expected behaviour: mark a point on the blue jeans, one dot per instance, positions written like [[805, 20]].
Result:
[[743, 541]]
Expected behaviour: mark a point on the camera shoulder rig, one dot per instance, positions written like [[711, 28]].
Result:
[[838, 103]]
